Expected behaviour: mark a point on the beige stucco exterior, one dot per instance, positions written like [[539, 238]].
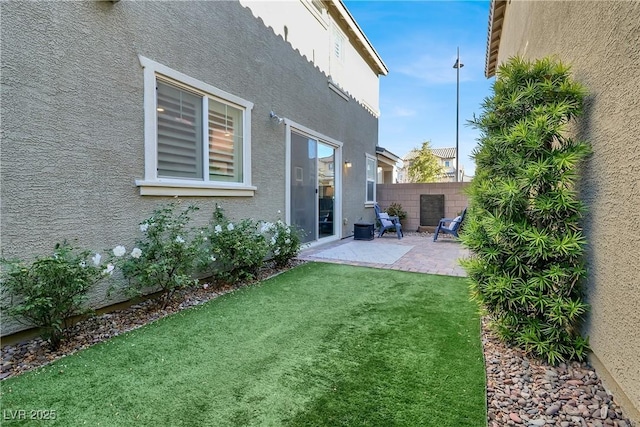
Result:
[[601, 41], [74, 86]]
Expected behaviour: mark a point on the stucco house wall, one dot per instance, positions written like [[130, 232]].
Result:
[[601, 41], [73, 117]]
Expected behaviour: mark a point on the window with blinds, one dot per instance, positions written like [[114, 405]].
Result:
[[180, 116], [179, 133], [225, 142]]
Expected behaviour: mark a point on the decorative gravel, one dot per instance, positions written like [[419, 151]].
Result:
[[521, 391], [528, 392]]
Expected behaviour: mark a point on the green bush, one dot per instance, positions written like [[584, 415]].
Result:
[[233, 251], [522, 227], [165, 257], [284, 241], [50, 290], [395, 209]]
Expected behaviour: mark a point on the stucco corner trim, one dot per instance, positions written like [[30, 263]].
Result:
[[171, 189]]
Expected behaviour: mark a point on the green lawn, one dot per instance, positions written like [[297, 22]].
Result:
[[319, 345]]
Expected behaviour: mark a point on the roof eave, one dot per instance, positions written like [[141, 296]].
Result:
[[381, 151], [496, 19], [379, 66]]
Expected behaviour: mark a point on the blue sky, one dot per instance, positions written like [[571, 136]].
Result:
[[417, 40]]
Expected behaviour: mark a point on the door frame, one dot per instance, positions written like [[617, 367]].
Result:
[[337, 204]]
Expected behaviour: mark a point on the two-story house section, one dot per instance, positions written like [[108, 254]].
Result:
[[112, 109], [326, 35], [447, 160], [330, 38]]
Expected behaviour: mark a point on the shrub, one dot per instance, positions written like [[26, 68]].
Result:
[[527, 263], [165, 257], [50, 290], [284, 241], [395, 209], [233, 251]]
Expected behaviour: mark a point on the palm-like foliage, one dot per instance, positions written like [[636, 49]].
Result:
[[523, 221]]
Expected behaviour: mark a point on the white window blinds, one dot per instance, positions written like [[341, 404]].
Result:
[[180, 140], [225, 142], [179, 133]]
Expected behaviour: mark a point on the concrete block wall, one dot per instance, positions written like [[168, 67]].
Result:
[[408, 195]]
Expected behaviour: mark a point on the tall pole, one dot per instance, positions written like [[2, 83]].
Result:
[[457, 66]]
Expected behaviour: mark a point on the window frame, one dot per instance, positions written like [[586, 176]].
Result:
[[372, 158], [339, 42], [156, 186]]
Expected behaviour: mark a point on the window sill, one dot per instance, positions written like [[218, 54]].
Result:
[[194, 189], [369, 204]]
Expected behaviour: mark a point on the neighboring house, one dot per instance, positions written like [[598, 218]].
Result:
[[601, 41], [110, 109], [387, 166], [447, 160]]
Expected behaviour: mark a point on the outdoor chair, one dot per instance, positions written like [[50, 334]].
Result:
[[387, 222], [452, 228]]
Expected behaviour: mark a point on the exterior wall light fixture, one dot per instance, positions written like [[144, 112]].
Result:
[[273, 115]]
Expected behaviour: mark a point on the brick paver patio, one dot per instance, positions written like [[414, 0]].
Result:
[[415, 252]]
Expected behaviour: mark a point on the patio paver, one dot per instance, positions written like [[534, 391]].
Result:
[[415, 252]]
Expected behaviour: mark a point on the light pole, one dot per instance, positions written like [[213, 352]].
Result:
[[457, 66]]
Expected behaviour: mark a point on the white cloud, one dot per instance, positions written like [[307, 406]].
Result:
[[402, 112], [439, 70]]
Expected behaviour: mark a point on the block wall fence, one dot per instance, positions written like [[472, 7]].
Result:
[[408, 195]]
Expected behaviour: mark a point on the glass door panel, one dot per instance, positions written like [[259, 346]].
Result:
[[304, 181], [326, 190]]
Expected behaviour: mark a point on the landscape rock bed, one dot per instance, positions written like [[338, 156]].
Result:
[[527, 392]]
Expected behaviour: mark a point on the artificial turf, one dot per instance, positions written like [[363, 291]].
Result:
[[319, 345]]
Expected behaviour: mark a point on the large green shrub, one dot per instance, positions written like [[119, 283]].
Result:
[[284, 241], [50, 290], [165, 257], [233, 251], [527, 264]]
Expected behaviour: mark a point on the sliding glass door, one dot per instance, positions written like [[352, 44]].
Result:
[[312, 184]]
